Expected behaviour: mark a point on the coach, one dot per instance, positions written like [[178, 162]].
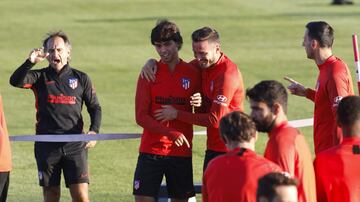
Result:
[[60, 92]]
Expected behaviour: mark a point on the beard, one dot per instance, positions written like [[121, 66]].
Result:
[[207, 62], [265, 125], [309, 55]]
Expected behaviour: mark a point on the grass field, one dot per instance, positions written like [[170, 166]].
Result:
[[110, 41]]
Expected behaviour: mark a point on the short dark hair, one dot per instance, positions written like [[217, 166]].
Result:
[[60, 34], [321, 32], [268, 183], [269, 92], [237, 126], [348, 111], [166, 31], [205, 33]]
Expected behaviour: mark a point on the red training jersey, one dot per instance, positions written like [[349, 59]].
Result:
[[288, 148], [334, 82], [5, 151], [337, 172], [223, 92], [170, 88], [234, 176]]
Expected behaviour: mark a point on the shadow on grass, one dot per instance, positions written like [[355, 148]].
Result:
[[324, 5]]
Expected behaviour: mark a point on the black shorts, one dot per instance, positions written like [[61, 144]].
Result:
[[209, 155], [4, 185], [52, 158], [150, 170]]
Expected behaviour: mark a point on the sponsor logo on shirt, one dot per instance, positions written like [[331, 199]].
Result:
[[337, 101], [49, 82], [61, 99], [73, 83], [136, 184], [170, 100], [221, 100], [185, 83]]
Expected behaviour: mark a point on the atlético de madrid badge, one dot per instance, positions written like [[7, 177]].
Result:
[[73, 83], [185, 83]]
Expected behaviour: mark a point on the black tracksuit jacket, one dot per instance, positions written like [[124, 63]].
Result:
[[59, 98]]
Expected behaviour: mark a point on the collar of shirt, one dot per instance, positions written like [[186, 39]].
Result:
[[328, 61], [221, 59], [65, 69], [237, 150], [162, 65], [234, 151], [277, 128]]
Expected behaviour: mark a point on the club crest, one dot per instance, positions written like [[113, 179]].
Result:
[[136, 184], [73, 83], [337, 101], [221, 98], [185, 83]]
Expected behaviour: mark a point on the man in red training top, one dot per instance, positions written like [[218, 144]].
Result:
[[165, 147], [222, 90], [234, 176], [286, 147], [5, 156], [337, 168], [334, 82]]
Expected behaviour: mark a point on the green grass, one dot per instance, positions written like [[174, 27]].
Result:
[[111, 42]]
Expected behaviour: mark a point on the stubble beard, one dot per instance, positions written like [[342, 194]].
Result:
[[265, 125]]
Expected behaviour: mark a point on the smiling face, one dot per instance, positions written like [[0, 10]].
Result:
[[206, 53], [59, 53], [168, 51]]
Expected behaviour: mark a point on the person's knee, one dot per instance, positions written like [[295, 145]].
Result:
[[51, 194], [80, 197], [79, 192]]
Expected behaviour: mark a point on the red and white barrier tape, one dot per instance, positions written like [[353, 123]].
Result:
[[356, 59]]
